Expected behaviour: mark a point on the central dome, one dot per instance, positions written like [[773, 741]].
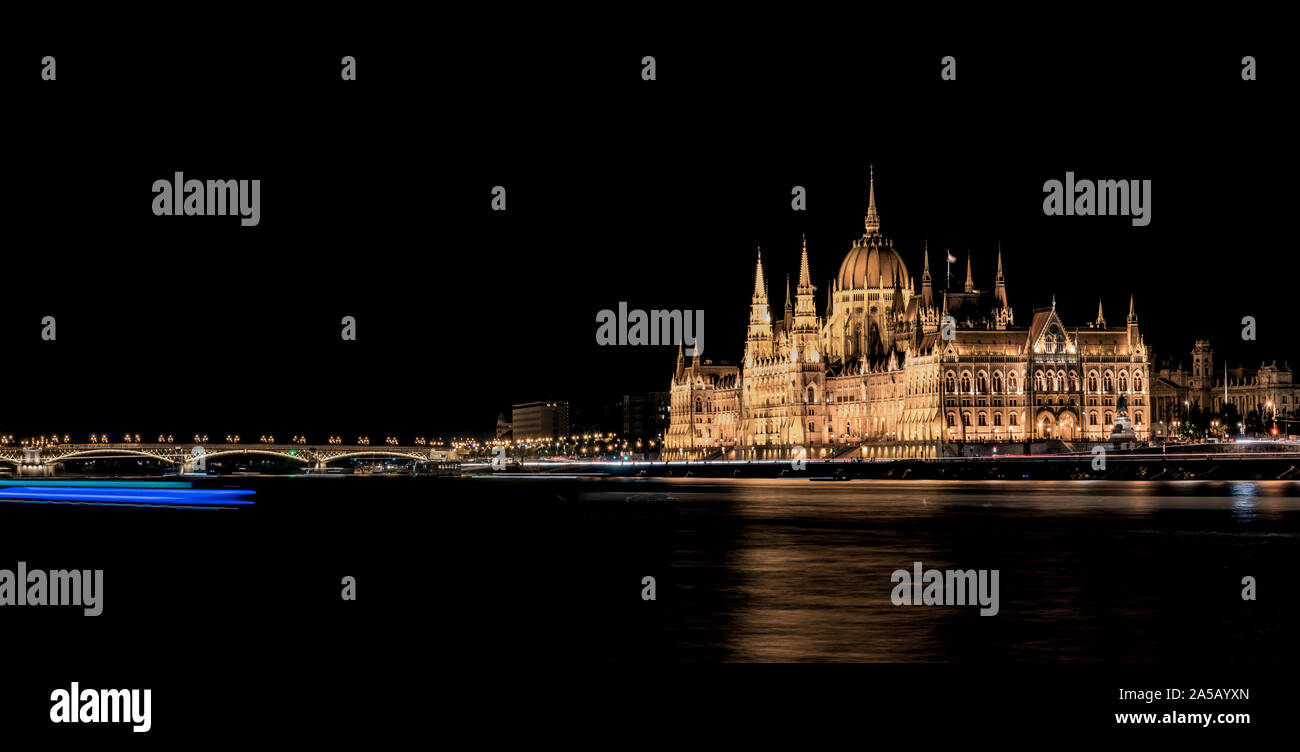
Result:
[[873, 263]]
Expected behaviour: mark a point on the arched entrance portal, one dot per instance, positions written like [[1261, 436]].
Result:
[[1068, 426], [1047, 428]]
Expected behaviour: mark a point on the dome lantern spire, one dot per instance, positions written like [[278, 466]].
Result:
[[873, 217]]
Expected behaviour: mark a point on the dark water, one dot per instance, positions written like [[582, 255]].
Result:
[[501, 587], [746, 570], [800, 571]]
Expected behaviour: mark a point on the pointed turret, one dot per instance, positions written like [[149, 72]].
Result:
[[805, 279], [1101, 316], [1134, 337], [1000, 283], [789, 305], [758, 344], [927, 290], [806, 325], [873, 217], [970, 279]]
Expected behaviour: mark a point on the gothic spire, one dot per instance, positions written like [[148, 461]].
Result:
[[805, 307], [970, 280], [1000, 282], [873, 217], [927, 292], [805, 278], [759, 343], [1101, 316]]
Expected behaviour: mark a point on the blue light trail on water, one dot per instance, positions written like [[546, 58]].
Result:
[[129, 496]]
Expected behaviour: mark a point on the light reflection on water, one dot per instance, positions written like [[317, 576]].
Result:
[[1243, 505], [791, 570]]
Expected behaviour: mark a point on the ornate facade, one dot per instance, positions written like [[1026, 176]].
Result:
[[892, 369]]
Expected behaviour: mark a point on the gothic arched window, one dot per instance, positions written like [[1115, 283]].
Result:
[[1107, 384], [965, 383], [1015, 419], [1123, 382], [997, 419], [997, 383], [981, 383], [1092, 381], [950, 384]]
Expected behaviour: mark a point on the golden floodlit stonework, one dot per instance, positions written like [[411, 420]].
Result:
[[893, 370]]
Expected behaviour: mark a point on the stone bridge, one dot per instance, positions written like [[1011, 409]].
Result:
[[187, 458]]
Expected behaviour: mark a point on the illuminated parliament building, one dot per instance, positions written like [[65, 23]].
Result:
[[893, 369]]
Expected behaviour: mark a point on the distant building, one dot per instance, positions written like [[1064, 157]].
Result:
[[539, 420], [503, 427], [645, 418], [1267, 388], [611, 417], [658, 415]]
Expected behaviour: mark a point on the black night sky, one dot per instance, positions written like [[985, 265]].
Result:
[[376, 204]]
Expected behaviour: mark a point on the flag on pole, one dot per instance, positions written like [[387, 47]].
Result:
[[951, 258]]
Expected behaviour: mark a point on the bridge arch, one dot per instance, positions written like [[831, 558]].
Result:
[[92, 453], [375, 453], [211, 455]]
